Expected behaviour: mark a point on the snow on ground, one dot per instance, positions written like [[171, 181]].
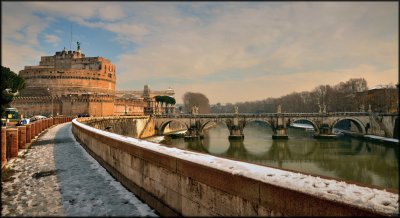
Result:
[[144, 209], [23, 192], [364, 197], [156, 139], [85, 186], [56, 177]]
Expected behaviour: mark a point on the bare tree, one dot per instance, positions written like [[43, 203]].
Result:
[[351, 95]]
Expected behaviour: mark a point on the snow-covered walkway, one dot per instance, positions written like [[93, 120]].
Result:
[[56, 177]]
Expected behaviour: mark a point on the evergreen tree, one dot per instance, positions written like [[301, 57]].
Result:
[[11, 84]]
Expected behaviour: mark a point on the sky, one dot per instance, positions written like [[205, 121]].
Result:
[[229, 51]]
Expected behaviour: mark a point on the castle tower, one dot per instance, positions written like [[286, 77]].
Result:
[[71, 83]]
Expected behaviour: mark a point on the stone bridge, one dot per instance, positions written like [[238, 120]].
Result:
[[361, 123]]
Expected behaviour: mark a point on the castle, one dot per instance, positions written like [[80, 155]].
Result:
[[68, 83]]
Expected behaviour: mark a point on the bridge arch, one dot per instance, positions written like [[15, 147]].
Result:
[[360, 126], [164, 124], [205, 123], [261, 120], [316, 128]]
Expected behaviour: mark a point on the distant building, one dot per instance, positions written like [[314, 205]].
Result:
[[68, 83], [148, 96], [381, 98]]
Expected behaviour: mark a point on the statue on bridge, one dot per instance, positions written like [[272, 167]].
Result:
[[362, 108], [279, 110], [236, 110], [322, 108], [195, 110]]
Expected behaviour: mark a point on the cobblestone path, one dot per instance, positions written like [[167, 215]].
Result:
[[56, 177]]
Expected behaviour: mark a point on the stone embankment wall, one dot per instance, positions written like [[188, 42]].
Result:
[[173, 127], [136, 127], [15, 138], [132, 126], [175, 185], [382, 126]]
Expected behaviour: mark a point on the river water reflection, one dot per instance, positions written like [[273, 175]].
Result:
[[346, 158]]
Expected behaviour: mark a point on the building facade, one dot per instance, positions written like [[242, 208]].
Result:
[[150, 105], [68, 83], [381, 98]]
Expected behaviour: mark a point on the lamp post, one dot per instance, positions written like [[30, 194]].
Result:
[[52, 109], [125, 109]]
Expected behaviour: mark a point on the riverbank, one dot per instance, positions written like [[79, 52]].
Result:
[[380, 139], [372, 138]]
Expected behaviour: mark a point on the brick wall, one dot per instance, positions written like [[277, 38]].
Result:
[[21, 137], [3, 147], [12, 142]]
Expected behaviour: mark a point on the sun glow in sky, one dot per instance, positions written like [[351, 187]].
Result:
[[229, 51]]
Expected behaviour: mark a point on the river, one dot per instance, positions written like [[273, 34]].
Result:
[[343, 159]]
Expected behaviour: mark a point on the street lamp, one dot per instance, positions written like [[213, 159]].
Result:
[[52, 109]]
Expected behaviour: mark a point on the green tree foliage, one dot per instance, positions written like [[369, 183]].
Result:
[[191, 99], [158, 99], [170, 101], [167, 100], [11, 84]]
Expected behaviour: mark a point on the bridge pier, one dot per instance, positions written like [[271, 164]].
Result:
[[236, 127], [235, 133], [194, 132], [280, 127], [280, 133], [325, 132]]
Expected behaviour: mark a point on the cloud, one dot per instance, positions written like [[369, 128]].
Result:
[[19, 26], [272, 48], [127, 32], [53, 39], [286, 38], [16, 56], [23, 22], [110, 12], [20, 31]]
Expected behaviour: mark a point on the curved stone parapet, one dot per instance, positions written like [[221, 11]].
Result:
[[180, 182]]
